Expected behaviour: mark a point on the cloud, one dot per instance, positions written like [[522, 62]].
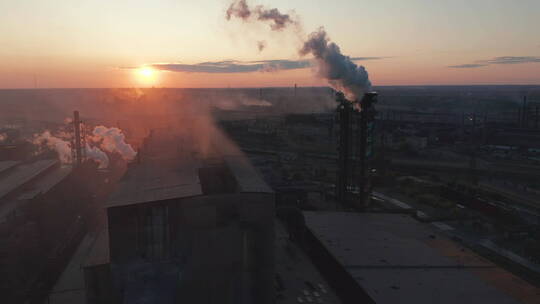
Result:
[[513, 60], [235, 66], [499, 60], [467, 66]]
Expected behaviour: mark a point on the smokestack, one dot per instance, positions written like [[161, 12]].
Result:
[[524, 113], [77, 128]]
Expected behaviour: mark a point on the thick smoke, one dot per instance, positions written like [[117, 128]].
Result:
[[278, 21], [238, 9], [61, 146], [113, 140], [339, 70], [341, 73], [63, 149]]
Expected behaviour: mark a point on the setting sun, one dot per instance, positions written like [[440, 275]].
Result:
[[146, 75]]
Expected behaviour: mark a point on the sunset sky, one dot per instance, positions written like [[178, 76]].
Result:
[[98, 43]]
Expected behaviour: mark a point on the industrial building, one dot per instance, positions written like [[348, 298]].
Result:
[[392, 258], [185, 226]]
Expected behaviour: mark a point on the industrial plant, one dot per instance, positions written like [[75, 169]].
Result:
[[161, 152]]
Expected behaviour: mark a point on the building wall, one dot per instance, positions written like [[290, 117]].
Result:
[[223, 245]]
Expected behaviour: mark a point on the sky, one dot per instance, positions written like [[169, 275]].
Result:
[[103, 43]]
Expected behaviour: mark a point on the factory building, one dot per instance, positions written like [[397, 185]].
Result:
[[185, 226]]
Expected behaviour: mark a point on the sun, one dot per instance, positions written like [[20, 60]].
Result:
[[146, 75]]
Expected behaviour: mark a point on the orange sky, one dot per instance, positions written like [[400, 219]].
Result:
[[84, 43]]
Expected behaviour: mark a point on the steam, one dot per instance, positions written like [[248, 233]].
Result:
[[339, 70], [342, 74], [278, 21], [63, 148], [96, 154], [113, 140]]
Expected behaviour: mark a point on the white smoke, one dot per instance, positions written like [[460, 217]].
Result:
[[339, 70], [113, 140], [96, 154], [342, 74], [62, 147]]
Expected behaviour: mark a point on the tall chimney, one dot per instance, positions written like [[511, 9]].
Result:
[[77, 128]]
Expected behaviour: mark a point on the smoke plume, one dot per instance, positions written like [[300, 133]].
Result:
[[113, 140], [278, 21], [339, 70], [342, 74], [261, 45]]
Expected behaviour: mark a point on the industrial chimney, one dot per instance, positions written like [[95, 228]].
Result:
[[77, 129]]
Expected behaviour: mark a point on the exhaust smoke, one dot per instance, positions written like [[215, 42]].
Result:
[[339, 70], [278, 21], [342, 74]]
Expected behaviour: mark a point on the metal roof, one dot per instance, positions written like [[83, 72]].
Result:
[[7, 164], [167, 173], [157, 181], [22, 174], [46, 183], [396, 259]]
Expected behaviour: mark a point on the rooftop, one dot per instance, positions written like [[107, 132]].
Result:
[[23, 174], [176, 173], [393, 257]]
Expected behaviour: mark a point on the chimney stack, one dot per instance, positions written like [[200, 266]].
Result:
[[77, 128]]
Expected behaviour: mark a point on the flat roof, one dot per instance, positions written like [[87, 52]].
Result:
[[167, 171], [394, 257], [156, 181], [299, 280], [22, 174]]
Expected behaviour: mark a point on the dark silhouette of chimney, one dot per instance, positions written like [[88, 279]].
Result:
[[77, 128]]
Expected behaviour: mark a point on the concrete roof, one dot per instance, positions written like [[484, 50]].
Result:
[[23, 174], [396, 259]]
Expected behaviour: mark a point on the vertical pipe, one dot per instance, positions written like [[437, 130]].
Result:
[[77, 128]]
